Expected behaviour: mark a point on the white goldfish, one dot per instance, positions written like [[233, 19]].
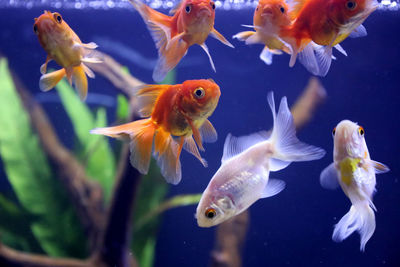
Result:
[[354, 171], [243, 177]]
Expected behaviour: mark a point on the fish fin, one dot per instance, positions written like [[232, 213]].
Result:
[[379, 167], [169, 58], [340, 49], [248, 26], [88, 71], [166, 152], [205, 48], [208, 132], [49, 80], [294, 7], [236, 145], [243, 36], [190, 146], [277, 165], [93, 60], [80, 82], [214, 33], [324, 60], [91, 45], [360, 31], [68, 72], [283, 137], [308, 59], [175, 8], [360, 218], [254, 39], [329, 177], [273, 187], [196, 135], [266, 55], [141, 134], [43, 68], [147, 96]]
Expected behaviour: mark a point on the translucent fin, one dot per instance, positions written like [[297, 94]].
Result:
[[49, 80], [196, 135], [379, 167], [43, 68], [205, 48], [329, 177], [90, 45], [243, 36], [208, 132], [214, 33], [93, 60], [277, 165], [147, 96], [88, 71], [80, 82], [324, 60], [236, 145], [308, 59], [191, 147], [141, 133], [254, 39], [283, 137], [266, 56], [273, 187], [360, 218], [340, 49], [360, 31]]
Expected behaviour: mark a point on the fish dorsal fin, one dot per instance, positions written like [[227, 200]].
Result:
[[175, 8], [147, 96], [208, 132], [236, 145], [329, 177], [273, 187]]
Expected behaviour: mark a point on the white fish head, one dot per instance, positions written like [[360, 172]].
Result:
[[213, 210], [349, 141]]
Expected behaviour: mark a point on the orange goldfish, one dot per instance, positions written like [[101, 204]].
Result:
[[191, 23], [64, 47], [326, 23], [270, 17], [179, 110]]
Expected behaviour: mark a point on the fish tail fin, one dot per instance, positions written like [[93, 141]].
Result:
[[170, 50], [50, 80], [80, 82], [141, 135], [360, 218], [166, 152], [286, 146]]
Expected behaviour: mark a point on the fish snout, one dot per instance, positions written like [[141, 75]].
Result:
[[204, 11], [267, 12], [45, 25]]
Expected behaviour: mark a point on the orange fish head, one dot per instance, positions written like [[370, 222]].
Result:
[[272, 12], [197, 11], [350, 12], [49, 25], [199, 98]]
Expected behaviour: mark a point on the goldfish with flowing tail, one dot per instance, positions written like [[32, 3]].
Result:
[[191, 23], [179, 111], [64, 47], [354, 171]]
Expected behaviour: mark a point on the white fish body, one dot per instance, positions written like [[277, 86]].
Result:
[[354, 171], [243, 177]]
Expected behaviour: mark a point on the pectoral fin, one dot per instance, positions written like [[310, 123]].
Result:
[[205, 48], [214, 33], [273, 187], [379, 167], [329, 177], [49, 80]]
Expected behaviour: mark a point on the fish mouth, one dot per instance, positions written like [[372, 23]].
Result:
[[204, 12], [46, 24], [267, 12]]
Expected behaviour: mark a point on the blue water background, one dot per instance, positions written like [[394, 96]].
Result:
[[293, 228]]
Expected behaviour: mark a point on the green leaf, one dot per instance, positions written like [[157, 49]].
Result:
[[122, 108], [95, 150], [38, 190]]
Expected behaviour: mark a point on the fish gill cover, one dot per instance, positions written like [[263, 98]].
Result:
[[392, 5]]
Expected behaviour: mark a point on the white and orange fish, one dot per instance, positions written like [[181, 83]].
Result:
[[354, 171], [64, 47], [179, 111], [191, 23]]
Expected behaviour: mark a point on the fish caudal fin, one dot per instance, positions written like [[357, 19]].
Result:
[[141, 134], [360, 218], [80, 81], [286, 146], [50, 80]]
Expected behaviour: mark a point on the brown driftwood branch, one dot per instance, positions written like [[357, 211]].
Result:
[[85, 194], [231, 234]]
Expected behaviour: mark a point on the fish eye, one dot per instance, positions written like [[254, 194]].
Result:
[[212, 5], [35, 29], [333, 132], [351, 5], [361, 131], [188, 8], [199, 93], [57, 17], [210, 213], [282, 9]]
